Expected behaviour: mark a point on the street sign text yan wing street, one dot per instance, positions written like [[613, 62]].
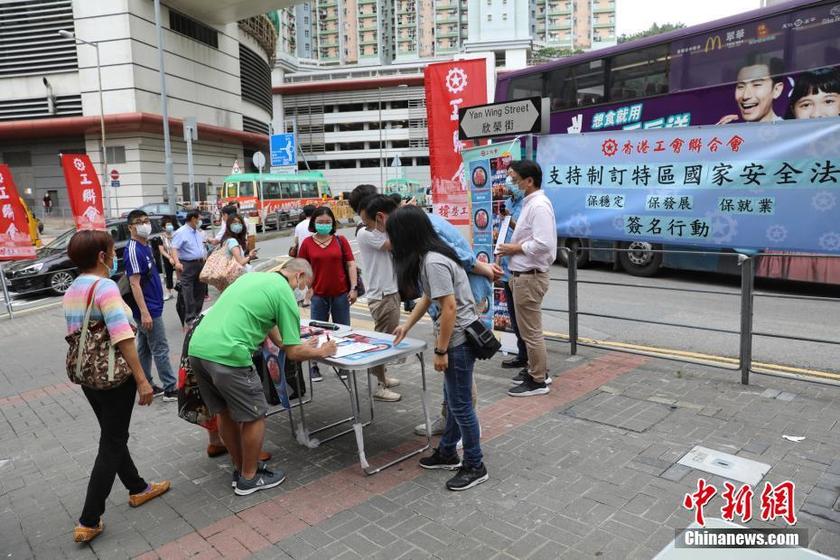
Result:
[[521, 116]]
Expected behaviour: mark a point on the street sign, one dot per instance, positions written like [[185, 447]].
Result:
[[114, 182], [115, 175], [522, 116], [259, 160], [283, 150]]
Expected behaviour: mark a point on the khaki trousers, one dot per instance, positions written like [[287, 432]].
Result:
[[386, 318], [528, 293]]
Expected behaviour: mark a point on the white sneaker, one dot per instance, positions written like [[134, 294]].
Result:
[[437, 427], [384, 394], [392, 382], [547, 379]]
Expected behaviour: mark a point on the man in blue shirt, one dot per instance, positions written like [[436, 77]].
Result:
[[147, 309], [189, 255]]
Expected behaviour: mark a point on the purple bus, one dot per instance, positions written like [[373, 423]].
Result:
[[770, 64]]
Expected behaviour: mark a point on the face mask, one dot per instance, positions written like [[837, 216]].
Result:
[[170, 228], [236, 228], [515, 192], [323, 229], [112, 271], [143, 230]]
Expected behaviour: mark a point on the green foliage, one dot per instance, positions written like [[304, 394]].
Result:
[[654, 29], [547, 54]]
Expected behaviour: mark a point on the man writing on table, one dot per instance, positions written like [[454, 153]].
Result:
[[257, 305]]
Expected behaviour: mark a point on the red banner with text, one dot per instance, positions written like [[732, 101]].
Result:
[[84, 191], [450, 86], [15, 242]]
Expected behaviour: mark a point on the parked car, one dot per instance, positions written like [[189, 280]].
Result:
[[52, 270], [162, 209]]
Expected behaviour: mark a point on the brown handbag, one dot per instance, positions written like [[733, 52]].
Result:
[[220, 270], [92, 361]]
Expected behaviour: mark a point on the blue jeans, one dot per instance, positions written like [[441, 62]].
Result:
[[337, 307], [153, 343], [461, 420]]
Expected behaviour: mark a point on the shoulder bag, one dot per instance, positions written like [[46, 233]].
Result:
[[360, 287], [220, 270], [92, 361], [482, 340]]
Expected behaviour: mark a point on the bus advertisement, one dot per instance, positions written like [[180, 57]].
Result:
[[274, 198], [767, 65]]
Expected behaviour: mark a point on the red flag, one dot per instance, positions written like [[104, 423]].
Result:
[[15, 243], [84, 191], [450, 86]]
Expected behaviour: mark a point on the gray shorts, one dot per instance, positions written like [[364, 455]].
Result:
[[239, 390]]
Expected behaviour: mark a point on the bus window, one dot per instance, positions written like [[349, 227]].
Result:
[[639, 74], [309, 189], [578, 86], [271, 190], [324, 189], [246, 188], [230, 190], [526, 86], [290, 190]]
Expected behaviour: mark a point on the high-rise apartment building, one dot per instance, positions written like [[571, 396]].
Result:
[[574, 24], [374, 32]]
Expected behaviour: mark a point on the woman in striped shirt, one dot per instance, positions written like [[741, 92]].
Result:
[[93, 253]]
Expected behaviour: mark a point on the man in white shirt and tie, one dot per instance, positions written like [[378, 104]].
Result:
[[532, 250]]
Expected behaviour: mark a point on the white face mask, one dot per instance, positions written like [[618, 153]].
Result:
[[143, 230]]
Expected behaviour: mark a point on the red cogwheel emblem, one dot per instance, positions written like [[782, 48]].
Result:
[[609, 147]]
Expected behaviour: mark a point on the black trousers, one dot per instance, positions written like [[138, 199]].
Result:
[[113, 411], [192, 289], [168, 271], [522, 350]]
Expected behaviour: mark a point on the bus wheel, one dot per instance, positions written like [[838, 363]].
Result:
[[575, 245], [640, 260]]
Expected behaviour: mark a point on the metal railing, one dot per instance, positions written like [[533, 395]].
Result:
[[746, 294]]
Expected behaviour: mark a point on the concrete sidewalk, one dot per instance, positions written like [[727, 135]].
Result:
[[587, 471]]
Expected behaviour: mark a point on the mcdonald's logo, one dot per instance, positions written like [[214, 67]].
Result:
[[713, 43]]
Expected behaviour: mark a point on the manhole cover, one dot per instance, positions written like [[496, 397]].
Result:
[[725, 465], [620, 412]]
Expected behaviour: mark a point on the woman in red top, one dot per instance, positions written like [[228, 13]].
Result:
[[334, 283]]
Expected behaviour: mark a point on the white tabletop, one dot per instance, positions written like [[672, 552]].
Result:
[[366, 360]]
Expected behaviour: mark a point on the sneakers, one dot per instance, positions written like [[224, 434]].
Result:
[[437, 427], [82, 534], [514, 363], [263, 480], [261, 466], [438, 461], [384, 394], [467, 477], [157, 391], [391, 382], [315, 375], [152, 491], [520, 377], [170, 396], [529, 388]]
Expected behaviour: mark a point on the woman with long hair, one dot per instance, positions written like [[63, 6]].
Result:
[[428, 267], [93, 252]]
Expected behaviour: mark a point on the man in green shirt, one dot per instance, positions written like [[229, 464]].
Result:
[[257, 305]]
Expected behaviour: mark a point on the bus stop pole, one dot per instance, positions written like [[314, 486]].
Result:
[[571, 258], [747, 300], [6, 292]]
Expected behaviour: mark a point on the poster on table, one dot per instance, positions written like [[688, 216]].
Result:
[[83, 191], [770, 186], [449, 86], [15, 242], [487, 169]]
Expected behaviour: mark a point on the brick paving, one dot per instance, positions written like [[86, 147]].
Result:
[[588, 471]]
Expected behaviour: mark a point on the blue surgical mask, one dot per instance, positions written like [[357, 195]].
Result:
[[323, 229], [236, 228], [170, 228], [515, 192], [113, 271]]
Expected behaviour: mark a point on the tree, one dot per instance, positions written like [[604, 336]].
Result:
[[654, 29], [547, 54]]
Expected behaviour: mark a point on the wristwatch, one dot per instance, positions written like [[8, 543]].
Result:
[[441, 352]]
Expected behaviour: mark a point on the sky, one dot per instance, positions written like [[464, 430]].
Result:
[[633, 16]]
